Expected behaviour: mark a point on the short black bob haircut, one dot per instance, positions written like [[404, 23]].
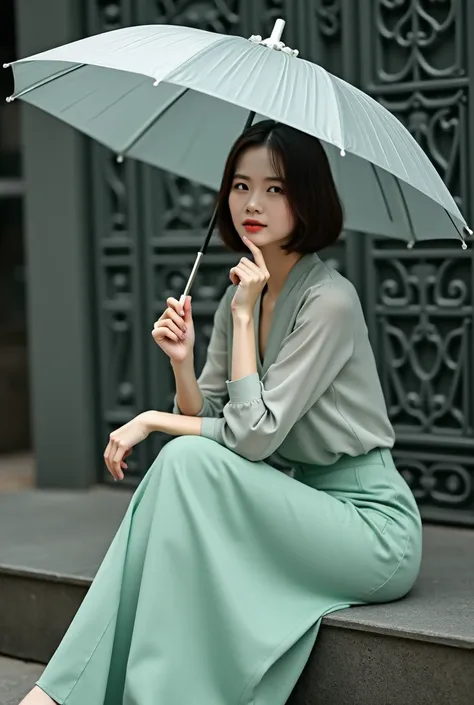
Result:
[[300, 160]]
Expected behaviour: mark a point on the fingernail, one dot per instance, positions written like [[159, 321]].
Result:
[[182, 313]]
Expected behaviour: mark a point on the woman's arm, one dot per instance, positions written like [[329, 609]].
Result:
[[189, 399], [188, 394], [244, 354], [209, 392], [173, 424]]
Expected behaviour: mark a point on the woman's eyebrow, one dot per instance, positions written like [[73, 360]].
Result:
[[267, 178]]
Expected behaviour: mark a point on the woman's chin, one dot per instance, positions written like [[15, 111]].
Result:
[[260, 239]]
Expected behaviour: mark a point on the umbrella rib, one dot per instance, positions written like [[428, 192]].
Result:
[[44, 81], [384, 195], [143, 130], [339, 113], [407, 212], [464, 246]]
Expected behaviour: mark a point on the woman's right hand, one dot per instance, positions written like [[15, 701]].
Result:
[[173, 332]]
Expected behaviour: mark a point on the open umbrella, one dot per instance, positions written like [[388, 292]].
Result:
[[177, 98]]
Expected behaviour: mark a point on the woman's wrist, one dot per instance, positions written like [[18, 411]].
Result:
[[242, 317], [151, 420], [186, 364], [172, 424]]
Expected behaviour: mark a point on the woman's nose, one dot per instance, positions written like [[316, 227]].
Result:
[[253, 205]]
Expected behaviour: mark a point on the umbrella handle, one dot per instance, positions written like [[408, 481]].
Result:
[[192, 276]]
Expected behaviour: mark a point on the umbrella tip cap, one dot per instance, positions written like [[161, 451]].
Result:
[[6, 66], [119, 159], [278, 29], [343, 152], [468, 230], [464, 245], [10, 99]]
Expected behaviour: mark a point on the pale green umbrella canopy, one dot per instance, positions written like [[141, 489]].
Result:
[[178, 97]]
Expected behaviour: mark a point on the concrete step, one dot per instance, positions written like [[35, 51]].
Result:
[[417, 650], [16, 679]]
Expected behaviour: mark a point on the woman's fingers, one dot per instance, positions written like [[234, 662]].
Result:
[[116, 460], [114, 457], [237, 275], [161, 334], [174, 304], [171, 314], [169, 325], [123, 464], [108, 456], [246, 262], [262, 272], [253, 274], [240, 273], [257, 253]]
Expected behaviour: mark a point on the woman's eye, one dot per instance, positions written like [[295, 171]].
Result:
[[240, 186]]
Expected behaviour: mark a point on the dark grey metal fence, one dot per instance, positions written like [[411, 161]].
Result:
[[415, 57]]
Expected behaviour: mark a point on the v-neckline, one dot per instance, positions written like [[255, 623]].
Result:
[[260, 357], [290, 281]]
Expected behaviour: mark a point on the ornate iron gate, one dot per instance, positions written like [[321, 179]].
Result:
[[414, 57]]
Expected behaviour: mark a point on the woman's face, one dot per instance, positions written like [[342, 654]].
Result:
[[257, 194]]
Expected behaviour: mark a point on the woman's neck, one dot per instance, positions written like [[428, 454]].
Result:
[[279, 265]]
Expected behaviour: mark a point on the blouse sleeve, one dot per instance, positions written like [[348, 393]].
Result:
[[260, 415], [212, 380]]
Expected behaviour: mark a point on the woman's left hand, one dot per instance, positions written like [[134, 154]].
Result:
[[122, 441], [251, 278]]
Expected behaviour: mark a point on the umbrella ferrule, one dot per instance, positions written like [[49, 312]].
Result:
[[278, 30], [274, 40]]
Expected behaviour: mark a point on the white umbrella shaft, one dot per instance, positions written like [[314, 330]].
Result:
[[192, 276]]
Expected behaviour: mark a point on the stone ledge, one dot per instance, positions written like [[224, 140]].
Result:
[[16, 679]]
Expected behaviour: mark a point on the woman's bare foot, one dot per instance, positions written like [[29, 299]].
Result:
[[37, 697]]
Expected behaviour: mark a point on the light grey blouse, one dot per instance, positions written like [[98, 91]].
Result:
[[316, 394]]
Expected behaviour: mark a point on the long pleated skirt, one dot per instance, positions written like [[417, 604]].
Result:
[[213, 589]]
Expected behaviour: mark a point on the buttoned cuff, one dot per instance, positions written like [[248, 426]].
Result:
[[243, 390]]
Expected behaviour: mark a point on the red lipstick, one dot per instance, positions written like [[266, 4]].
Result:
[[253, 226]]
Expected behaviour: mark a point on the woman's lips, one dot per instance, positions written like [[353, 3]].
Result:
[[253, 228]]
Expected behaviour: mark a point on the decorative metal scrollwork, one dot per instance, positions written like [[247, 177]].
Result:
[[418, 40]]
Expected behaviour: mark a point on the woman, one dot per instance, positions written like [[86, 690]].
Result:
[[280, 502]]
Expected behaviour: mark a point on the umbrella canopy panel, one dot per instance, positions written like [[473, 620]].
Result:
[[204, 85]]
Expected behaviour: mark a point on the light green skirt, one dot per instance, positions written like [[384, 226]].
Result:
[[214, 586]]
